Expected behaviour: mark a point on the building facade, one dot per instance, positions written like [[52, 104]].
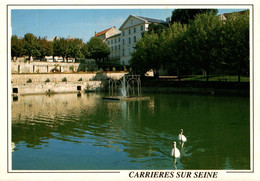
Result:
[[114, 44], [131, 31]]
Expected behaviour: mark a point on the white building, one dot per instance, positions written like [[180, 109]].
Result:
[[131, 30], [114, 43]]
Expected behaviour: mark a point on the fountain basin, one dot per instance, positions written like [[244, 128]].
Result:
[[132, 98]]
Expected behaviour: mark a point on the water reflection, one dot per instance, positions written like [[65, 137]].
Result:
[[131, 135]]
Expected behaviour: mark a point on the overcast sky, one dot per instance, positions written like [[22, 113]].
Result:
[[78, 23]]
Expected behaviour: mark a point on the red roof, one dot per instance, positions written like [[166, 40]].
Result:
[[103, 32]]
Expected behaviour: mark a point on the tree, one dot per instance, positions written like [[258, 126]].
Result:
[[75, 46], [17, 49], [204, 42], [46, 47], [147, 55], [174, 47], [31, 45], [61, 48], [156, 28], [85, 50], [236, 41], [98, 49], [184, 16]]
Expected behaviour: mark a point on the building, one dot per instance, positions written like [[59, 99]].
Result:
[[107, 33], [114, 44], [131, 30]]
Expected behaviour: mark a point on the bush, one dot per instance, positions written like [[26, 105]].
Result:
[[64, 79], [80, 79], [29, 81], [47, 80]]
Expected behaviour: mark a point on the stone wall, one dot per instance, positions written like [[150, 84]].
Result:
[[75, 82], [51, 87]]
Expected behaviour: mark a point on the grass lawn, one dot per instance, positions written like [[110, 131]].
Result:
[[228, 78]]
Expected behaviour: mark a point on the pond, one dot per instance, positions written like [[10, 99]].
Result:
[[71, 132]]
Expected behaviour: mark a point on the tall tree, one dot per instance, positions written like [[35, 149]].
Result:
[[204, 41], [17, 48], [147, 55], [236, 41], [61, 48], [75, 46], [31, 45], [46, 47], [98, 49], [184, 16], [174, 48]]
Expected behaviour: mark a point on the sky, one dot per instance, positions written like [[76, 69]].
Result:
[[78, 23]]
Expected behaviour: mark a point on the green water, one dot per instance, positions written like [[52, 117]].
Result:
[[67, 132]]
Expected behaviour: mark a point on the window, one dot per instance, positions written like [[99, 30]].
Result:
[[111, 48], [123, 41], [115, 40], [118, 47], [115, 47], [78, 88], [134, 38], [134, 30], [119, 39], [112, 41], [129, 31], [129, 40], [108, 42], [141, 27], [123, 33], [123, 52]]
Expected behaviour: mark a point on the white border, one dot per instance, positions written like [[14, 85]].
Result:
[[80, 175]]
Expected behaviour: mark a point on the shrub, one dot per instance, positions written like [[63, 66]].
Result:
[[64, 79], [29, 81], [80, 79], [47, 80], [113, 69]]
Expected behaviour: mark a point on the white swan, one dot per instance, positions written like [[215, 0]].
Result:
[[182, 137], [175, 151]]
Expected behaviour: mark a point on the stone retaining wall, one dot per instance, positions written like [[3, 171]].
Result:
[[60, 87], [75, 82]]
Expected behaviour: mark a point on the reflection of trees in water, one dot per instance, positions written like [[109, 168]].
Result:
[[144, 130]]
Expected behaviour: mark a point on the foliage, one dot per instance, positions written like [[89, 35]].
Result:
[[64, 79], [31, 45], [45, 47], [80, 79], [174, 47], [97, 48], [204, 40], [147, 55], [235, 53], [47, 80], [17, 47], [184, 16], [29, 81]]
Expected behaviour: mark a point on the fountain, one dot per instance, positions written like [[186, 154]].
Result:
[[129, 86]]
